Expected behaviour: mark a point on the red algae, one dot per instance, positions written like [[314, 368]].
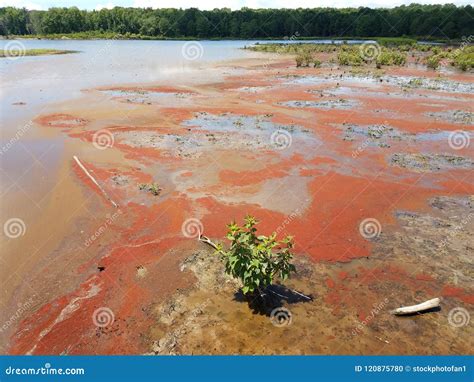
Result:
[[61, 120]]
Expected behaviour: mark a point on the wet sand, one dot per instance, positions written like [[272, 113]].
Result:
[[358, 168]]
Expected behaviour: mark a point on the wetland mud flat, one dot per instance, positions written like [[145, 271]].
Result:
[[375, 182]]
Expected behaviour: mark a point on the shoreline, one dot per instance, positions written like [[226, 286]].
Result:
[[282, 38]]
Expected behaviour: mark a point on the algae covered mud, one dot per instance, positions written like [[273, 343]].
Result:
[[371, 170]]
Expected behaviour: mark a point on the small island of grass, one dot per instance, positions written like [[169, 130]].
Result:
[[33, 52]]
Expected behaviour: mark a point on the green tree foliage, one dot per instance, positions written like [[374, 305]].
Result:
[[432, 21], [256, 260]]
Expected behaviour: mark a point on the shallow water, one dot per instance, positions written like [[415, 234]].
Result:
[[40, 80]]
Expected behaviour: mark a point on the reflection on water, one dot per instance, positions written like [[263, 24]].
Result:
[[29, 86], [40, 80]]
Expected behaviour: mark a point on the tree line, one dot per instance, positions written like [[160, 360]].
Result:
[[434, 21]]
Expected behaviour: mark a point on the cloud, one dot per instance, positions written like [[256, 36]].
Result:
[[21, 4], [109, 5]]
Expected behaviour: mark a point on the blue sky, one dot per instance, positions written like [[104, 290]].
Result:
[[210, 4]]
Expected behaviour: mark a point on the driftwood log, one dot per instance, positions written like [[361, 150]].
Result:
[[79, 163], [207, 241], [412, 309]]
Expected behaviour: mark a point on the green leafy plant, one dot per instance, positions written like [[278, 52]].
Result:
[[346, 57], [152, 188], [304, 58], [464, 58], [390, 57], [433, 61], [256, 259]]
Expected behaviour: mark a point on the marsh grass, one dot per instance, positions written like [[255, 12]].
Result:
[[34, 52], [392, 52]]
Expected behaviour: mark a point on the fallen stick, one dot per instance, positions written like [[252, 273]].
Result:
[[278, 294], [301, 294], [430, 304], [292, 290], [207, 241], [94, 181]]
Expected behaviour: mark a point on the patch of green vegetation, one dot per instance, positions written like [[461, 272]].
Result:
[[349, 55], [294, 48], [433, 61], [390, 57], [396, 41], [152, 188], [424, 47], [304, 58], [415, 82], [34, 52], [464, 58], [256, 260], [353, 54]]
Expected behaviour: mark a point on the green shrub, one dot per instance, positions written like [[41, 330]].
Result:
[[349, 58], [316, 63], [152, 188], [256, 260], [304, 58], [433, 61], [391, 57], [424, 47], [299, 60], [464, 58]]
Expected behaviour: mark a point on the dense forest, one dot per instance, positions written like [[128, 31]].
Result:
[[435, 21]]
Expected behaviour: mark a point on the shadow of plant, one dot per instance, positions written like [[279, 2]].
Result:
[[272, 297]]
